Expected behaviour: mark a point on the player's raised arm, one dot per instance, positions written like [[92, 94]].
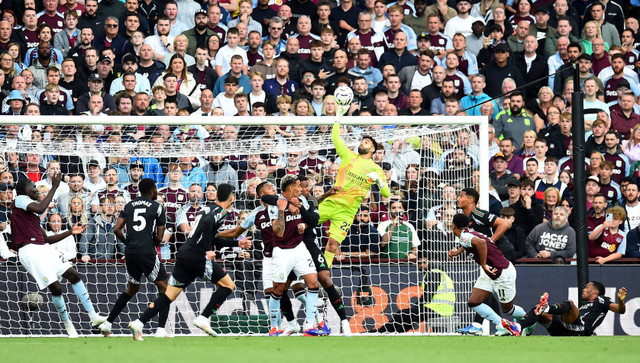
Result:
[[232, 233], [341, 147], [76, 229], [620, 307], [41, 206]]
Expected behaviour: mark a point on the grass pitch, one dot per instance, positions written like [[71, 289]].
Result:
[[322, 349]]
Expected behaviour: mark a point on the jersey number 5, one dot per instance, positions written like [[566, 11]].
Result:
[[138, 219]]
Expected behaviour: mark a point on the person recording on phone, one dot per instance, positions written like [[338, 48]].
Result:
[[398, 238], [606, 242]]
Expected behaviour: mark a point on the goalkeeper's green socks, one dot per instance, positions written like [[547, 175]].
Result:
[[329, 256]]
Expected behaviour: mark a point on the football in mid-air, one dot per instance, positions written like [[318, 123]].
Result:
[[343, 95], [32, 301]]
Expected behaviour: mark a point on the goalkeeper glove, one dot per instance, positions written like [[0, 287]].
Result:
[[375, 177]]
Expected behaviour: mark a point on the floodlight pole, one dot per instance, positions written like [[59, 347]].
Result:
[[579, 178]]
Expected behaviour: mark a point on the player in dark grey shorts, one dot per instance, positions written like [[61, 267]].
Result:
[[144, 221], [566, 319], [195, 259]]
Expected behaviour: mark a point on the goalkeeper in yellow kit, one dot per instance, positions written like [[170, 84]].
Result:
[[356, 175]]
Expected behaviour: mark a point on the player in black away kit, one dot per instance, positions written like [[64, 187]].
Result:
[[566, 319], [144, 220], [195, 259]]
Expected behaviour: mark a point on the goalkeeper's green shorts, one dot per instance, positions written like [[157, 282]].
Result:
[[341, 219]]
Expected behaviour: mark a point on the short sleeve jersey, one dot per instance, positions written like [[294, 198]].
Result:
[[25, 226], [495, 258], [203, 232], [593, 313], [142, 217]]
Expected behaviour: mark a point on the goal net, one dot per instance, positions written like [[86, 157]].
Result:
[[402, 284]]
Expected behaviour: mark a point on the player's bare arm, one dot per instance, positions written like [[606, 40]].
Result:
[[117, 230], [232, 233], [500, 226], [76, 229], [481, 246], [453, 253], [41, 206], [278, 224], [329, 193], [620, 307]]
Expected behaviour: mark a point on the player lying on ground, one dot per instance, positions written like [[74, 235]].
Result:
[[356, 175], [565, 318], [195, 259], [145, 220], [39, 258], [290, 254], [497, 274], [299, 291]]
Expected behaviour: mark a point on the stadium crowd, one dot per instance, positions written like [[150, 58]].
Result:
[[182, 58]]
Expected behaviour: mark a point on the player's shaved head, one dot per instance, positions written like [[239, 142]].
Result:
[[147, 186]]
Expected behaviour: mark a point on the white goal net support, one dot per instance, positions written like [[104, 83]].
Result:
[[408, 280]]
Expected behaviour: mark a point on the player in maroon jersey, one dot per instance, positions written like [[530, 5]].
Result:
[[39, 258], [497, 274]]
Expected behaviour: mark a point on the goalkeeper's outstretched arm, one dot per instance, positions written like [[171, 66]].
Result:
[[341, 147], [379, 178]]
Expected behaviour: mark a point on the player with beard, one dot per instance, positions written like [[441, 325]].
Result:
[[136, 170], [357, 173], [195, 259], [565, 318]]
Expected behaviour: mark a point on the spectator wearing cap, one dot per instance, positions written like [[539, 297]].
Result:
[[499, 69], [130, 66], [96, 87], [501, 176], [541, 29], [494, 38], [528, 212], [105, 69], [461, 23], [111, 39], [514, 162], [198, 35], [16, 103]]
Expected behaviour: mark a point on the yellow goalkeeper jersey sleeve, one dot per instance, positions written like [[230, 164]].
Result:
[[352, 175]]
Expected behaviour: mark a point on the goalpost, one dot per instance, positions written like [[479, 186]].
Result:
[[428, 159]]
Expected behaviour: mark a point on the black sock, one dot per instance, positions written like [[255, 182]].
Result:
[[336, 301], [122, 301], [529, 319], [559, 309], [163, 315], [219, 296], [161, 302], [297, 293], [286, 308]]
